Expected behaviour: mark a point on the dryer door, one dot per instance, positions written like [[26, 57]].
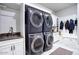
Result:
[[37, 44], [36, 19], [49, 40], [48, 21]]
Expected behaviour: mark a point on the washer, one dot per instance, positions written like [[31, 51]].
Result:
[[34, 44], [47, 25], [48, 41], [33, 20]]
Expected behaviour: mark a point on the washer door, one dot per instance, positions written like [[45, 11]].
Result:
[[37, 44], [36, 19], [49, 40], [48, 21]]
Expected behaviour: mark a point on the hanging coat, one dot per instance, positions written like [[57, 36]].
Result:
[[61, 25], [71, 26], [67, 25]]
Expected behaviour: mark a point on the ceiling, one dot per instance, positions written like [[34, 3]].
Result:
[[53, 6], [11, 5], [57, 6]]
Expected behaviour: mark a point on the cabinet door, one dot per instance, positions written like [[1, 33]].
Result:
[[19, 48], [5, 50]]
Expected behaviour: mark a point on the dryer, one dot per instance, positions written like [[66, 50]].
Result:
[[48, 41], [33, 20], [34, 44], [47, 25]]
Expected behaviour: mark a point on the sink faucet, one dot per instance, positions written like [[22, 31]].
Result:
[[11, 30]]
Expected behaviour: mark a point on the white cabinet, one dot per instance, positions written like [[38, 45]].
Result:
[[14, 48], [6, 50], [19, 48]]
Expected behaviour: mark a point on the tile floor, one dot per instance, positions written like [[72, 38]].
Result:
[[66, 41]]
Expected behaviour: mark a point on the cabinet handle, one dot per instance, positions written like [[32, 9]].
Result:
[[11, 48], [14, 47]]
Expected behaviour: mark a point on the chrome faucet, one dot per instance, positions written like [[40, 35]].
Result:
[[11, 31]]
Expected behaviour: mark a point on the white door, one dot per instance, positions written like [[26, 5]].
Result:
[[19, 48], [6, 50]]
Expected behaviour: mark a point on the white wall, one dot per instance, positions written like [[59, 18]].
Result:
[[22, 20], [67, 11], [54, 19], [65, 18], [67, 14], [16, 18], [7, 21], [78, 21], [40, 7]]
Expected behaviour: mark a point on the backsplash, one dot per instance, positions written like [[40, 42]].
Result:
[[7, 21]]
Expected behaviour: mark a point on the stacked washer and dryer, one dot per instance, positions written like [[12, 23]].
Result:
[[47, 31], [33, 31], [38, 37]]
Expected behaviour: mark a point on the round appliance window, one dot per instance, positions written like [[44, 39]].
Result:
[[50, 40], [49, 21], [36, 19], [37, 45]]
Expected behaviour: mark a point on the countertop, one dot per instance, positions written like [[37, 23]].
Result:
[[9, 36]]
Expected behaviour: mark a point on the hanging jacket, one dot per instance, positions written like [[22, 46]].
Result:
[[61, 25], [76, 22], [71, 25], [67, 25]]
